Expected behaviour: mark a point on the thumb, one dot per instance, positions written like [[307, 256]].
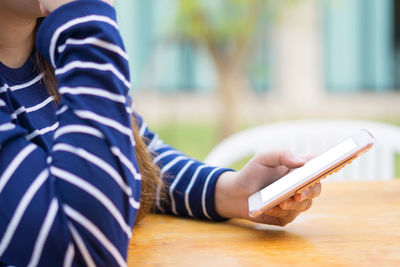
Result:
[[280, 158], [44, 10]]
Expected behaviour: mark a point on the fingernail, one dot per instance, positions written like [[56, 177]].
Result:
[[298, 160]]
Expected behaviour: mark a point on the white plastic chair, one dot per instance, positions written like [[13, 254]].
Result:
[[315, 136]]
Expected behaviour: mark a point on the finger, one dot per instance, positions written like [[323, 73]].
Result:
[[292, 205], [288, 219], [44, 11], [277, 216], [277, 211], [279, 158], [310, 193], [266, 219], [110, 2]]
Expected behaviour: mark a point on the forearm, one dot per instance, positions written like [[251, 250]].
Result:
[[190, 184], [227, 204]]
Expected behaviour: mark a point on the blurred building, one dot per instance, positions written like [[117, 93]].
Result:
[[337, 58]]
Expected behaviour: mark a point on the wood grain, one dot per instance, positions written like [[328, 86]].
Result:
[[352, 223]]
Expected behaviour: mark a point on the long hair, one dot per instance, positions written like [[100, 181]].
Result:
[[149, 171]]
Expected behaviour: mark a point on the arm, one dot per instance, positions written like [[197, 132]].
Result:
[[227, 191], [78, 202], [197, 190], [190, 184]]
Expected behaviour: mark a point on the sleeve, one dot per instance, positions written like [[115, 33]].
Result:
[[75, 205], [190, 184]]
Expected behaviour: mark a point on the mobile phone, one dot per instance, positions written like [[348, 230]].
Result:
[[312, 172]]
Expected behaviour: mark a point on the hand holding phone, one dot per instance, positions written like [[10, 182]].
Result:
[[312, 172]]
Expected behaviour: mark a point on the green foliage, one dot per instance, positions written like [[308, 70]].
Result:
[[219, 20], [224, 21], [195, 139]]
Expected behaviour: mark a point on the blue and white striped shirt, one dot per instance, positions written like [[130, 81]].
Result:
[[69, 180]]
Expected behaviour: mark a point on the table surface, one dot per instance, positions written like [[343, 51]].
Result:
[[352, 223]]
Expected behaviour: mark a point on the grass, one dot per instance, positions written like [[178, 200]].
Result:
[[196, 139]]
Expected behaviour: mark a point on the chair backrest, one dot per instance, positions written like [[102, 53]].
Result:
[[314, 137]]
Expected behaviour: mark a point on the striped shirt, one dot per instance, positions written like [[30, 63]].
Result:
[[69, 180]]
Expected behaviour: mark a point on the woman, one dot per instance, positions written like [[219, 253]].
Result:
[[73, 173]]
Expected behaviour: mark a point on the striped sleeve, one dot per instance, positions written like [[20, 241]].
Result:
[[75, 205], [190, 183]]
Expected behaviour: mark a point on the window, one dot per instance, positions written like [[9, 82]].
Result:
[[360, 45]]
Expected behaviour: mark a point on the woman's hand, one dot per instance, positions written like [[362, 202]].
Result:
[[48, 6], [234, 188]]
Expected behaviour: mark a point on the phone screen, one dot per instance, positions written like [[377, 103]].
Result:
[[311, 168]]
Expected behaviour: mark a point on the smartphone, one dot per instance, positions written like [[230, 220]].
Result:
[[310, 173]]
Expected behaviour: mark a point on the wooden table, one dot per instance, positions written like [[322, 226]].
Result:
[[352, 223]]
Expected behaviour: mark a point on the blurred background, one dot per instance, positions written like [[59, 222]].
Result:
[[203, 69]]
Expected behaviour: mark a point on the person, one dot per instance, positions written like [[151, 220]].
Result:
[[77, 164]]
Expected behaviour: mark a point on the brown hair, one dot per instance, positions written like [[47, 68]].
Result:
[[149, 171]]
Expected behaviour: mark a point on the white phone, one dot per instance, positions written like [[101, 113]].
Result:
[[312, 172]]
